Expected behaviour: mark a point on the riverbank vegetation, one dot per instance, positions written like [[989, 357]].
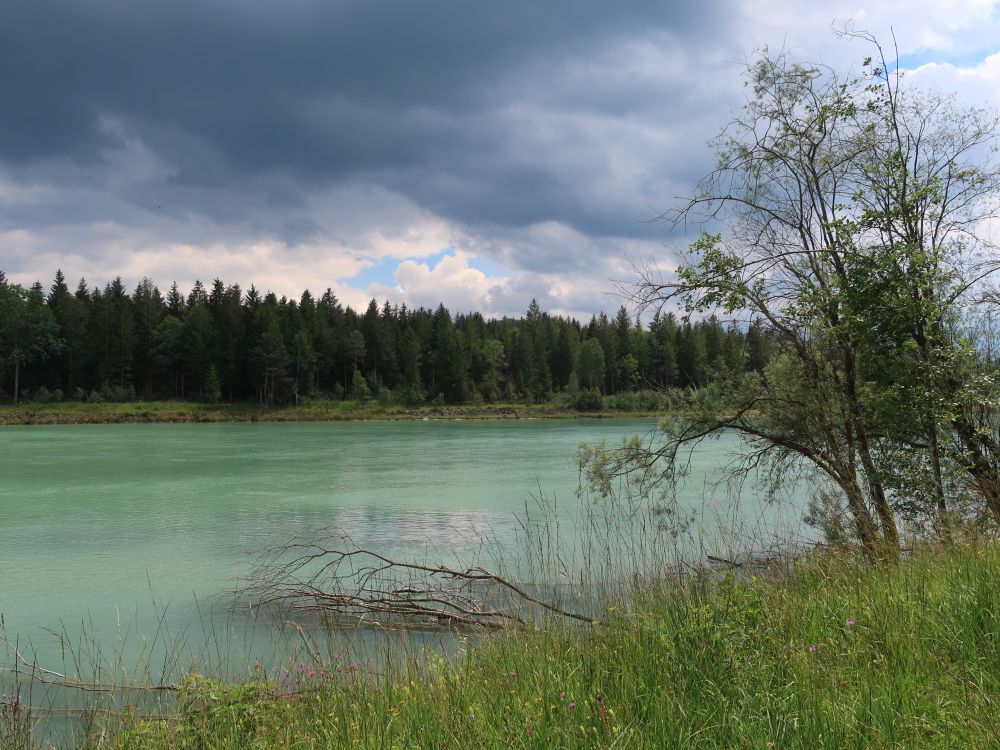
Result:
[[826, 653], [565, 406]]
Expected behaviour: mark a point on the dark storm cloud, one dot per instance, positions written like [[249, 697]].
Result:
[[456, 105]]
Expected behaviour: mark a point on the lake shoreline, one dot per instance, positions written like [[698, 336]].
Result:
[[166, 412], [809, 657]]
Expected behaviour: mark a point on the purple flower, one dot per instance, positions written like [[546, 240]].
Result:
[[812, 649], [571, 705], [851, 623]]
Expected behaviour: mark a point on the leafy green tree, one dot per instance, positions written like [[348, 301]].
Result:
[[371, 330], [692, 357], [303, 362], [326, 337], [148, 308], [450, 358], [493, 354], [359, 387], [70, 313], [198, 344], [622, 327], [590, 364], [410, 357], [605, 334], [197, 295], [231, 348], [212, 389], [756, 346], [630, 371], [175, 301], [168, 353], [270, 355], [28, 330], [838, 199]]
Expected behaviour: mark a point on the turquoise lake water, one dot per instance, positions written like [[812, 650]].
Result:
[[105, 527]]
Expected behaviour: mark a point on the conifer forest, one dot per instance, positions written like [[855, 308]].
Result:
[[224, 343]]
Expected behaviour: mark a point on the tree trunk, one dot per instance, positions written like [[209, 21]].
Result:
[[887, 518], [853, 424], [943, 524], [981, 464], [863, 523]]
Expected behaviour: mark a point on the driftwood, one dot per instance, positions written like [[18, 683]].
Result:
[[353, 586], [27, 670]]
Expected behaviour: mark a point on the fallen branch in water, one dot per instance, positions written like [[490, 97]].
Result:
[[33, 672], [361, 587]]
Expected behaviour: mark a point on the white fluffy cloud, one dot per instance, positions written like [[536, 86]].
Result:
[[951, 27], [974, 85], [576, 290]]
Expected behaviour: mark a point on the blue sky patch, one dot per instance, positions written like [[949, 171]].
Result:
[[383, 270], [965, 59]]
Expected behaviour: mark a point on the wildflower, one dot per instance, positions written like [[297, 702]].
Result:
[[571, 705], [812, 649], [851, 623]]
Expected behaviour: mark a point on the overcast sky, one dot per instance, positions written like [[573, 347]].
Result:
[[476, 153]]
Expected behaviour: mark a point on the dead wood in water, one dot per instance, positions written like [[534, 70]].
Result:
[[355, 586]]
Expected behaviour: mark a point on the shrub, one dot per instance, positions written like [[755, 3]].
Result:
[[589, 399], [44, 396], [410, 394]]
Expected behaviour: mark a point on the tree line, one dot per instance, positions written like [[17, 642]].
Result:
[[224, 343]]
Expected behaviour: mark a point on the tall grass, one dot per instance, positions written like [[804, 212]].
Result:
[[829, 653]]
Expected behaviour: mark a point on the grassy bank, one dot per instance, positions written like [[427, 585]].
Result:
[[325, 411], [836, 655]]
